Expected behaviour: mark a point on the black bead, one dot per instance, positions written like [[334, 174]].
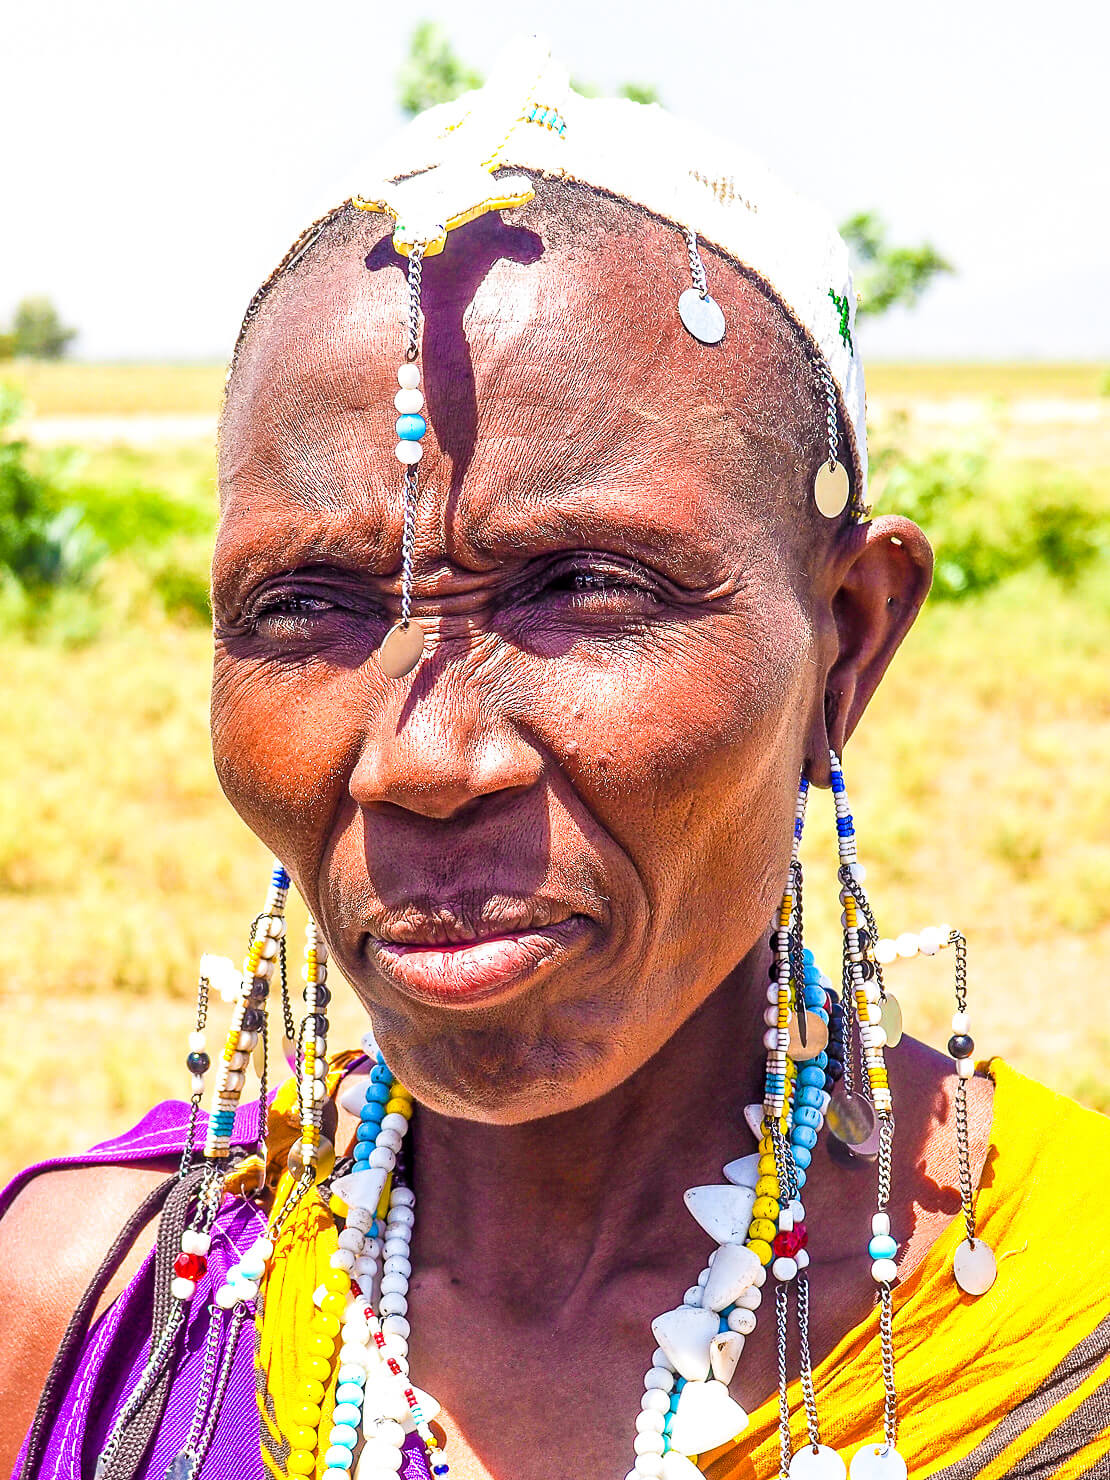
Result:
[[960, 1046], [198, 1063], [316, 1024], [834, 1070], [253, 1020], [259, 989], [323, 996]]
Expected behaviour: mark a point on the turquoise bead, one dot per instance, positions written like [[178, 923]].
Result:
[[808, 957], [806, 1115], [811, 1075], [252, 1266], [822, 1060], [802, 1156], [372, 1111], [411, 428], [803, 1135], [345, 1434], [810, 1095], [347, 1413], [349, 1392], [363, 1150], [800, 1175], [882, 1246], [377, 1093]]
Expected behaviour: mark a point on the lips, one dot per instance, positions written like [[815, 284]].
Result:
[[444, 957]]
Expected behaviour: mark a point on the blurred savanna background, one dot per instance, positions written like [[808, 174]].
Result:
[[173, 156]]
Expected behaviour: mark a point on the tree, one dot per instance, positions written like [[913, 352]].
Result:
[[888, 277], [38, 331], [432, 72]]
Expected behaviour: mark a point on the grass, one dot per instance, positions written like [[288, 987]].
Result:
[[978, 783]]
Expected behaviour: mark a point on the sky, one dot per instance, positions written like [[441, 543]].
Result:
[[159, 157]]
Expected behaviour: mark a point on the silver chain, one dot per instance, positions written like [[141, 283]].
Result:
[[957, 940], [828, 388], [408, 543], [155, 1362], [806, 1361], [697, 269], [886, 1148], [890, 1393], [412, 321], [781, 1324]]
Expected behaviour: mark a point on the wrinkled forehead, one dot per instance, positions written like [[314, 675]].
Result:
[[549, 361]]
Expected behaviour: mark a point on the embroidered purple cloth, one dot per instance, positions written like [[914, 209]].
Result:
[[116, 1348]]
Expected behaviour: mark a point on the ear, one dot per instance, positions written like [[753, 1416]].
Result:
[[882, 577]]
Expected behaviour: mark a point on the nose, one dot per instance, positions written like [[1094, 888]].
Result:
[[447, 754]]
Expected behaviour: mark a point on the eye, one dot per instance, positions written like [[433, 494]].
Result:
[[287, 614], [598, 587]]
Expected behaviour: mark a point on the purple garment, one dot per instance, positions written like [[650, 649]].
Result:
[[116, 1348]]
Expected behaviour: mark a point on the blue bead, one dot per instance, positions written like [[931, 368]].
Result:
[[724, 1320], [363, 1150], [347, 1413], [379, 1074], [802, 1156], [411, 428], [805, 1115], [810, 1095], [811, 1075], [800, 1176], [803, 1135], [344, 1434], [378, 1093], [821, 1061], [372, 1110], [349, 1392], [811, 974], [815, 997], [367, 1130], [808, 957], [882, 1246]]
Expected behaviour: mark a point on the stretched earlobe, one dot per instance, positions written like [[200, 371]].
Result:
[[884, 578]]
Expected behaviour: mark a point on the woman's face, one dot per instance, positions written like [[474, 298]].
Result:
[[538, 854]]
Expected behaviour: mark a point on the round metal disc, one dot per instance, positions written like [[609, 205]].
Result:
[[817, 1038], [891, 1020], [850, 1118], [877, 1462], [830, 489], [702, 316], [975, 1267], [820, 1463], [402, 648]]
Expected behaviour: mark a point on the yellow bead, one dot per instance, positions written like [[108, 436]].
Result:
[[398, 1107], [301, 1438], [767, 1167], [306, 1416], [761, 1249], [762, 1229], [766, 1146], [337, 1279], [312, 1391], [321, 1370], [320, 1345], [337, 1206], [301, 1462], [332, 1306], [767, 1187], [765, 1207]]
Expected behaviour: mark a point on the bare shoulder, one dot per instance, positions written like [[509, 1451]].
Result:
[[53, 1239]]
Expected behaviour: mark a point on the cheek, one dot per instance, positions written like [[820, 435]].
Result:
[[283, 745]]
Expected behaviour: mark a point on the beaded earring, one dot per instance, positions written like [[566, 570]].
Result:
[[974, 1265]]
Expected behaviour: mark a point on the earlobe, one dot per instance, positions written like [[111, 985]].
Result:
[[883, 581]]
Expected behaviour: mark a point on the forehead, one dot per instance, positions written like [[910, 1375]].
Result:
[[558, 377]]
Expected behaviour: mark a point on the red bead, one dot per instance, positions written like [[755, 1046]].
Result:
[[803, 1234], [190, 1266], [786, 1245]]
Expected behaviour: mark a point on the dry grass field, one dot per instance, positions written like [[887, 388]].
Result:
[[978, 780]]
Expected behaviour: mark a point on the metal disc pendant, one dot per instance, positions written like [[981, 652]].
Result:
[[830, 489], [817, 1038], [890, 1020], [851, 1118], [701, 316], [402, 648], [878, 1462], [817, 1463], [975, 1267]]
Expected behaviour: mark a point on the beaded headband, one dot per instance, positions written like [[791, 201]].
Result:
[[439, 173]]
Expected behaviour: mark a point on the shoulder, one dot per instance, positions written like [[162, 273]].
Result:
[[54, 1236]]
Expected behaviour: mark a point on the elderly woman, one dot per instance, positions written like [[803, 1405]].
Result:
[[520, 693]]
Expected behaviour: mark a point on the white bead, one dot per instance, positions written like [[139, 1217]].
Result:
[[352, 1239], [396, 1326], [397, 1244], [907, 945], [393, 1305], [409, 453], [408, 376], [742, 1321], [874, 1013], [390, 1140], [342, 1259], [234, 1079], [975, 1267], [320, 1293], [398, 1264], [801, 1258], [880, 1224], [965, 1068], [692, 1296], [797, 1210], [660, 1379], [705, 1417], [884, 1271], [394, 1284], [750, 1299], [659, 1358], [366, 1264], [771, 1038], [858, 872], [197, 1040], [649, 1421], [723, 1210], [744, 1171], [734, 1270], [409, 402], [356, 1354], [886, 952], [360, 1219], [961, 1021], [182, 1289], [401, 1217], [649, 1465], [784, 1269], [400, 1197], [227, 1297], [648, 1443], [702, 1277], [193, 1242], [196, 1084], [655, 1400], [786, 1221], [724, 1354], [395, 1121]]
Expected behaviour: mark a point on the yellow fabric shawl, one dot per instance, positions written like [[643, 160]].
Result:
[[1015, 1383]]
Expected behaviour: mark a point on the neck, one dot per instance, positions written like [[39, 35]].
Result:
[[548, 1211]]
